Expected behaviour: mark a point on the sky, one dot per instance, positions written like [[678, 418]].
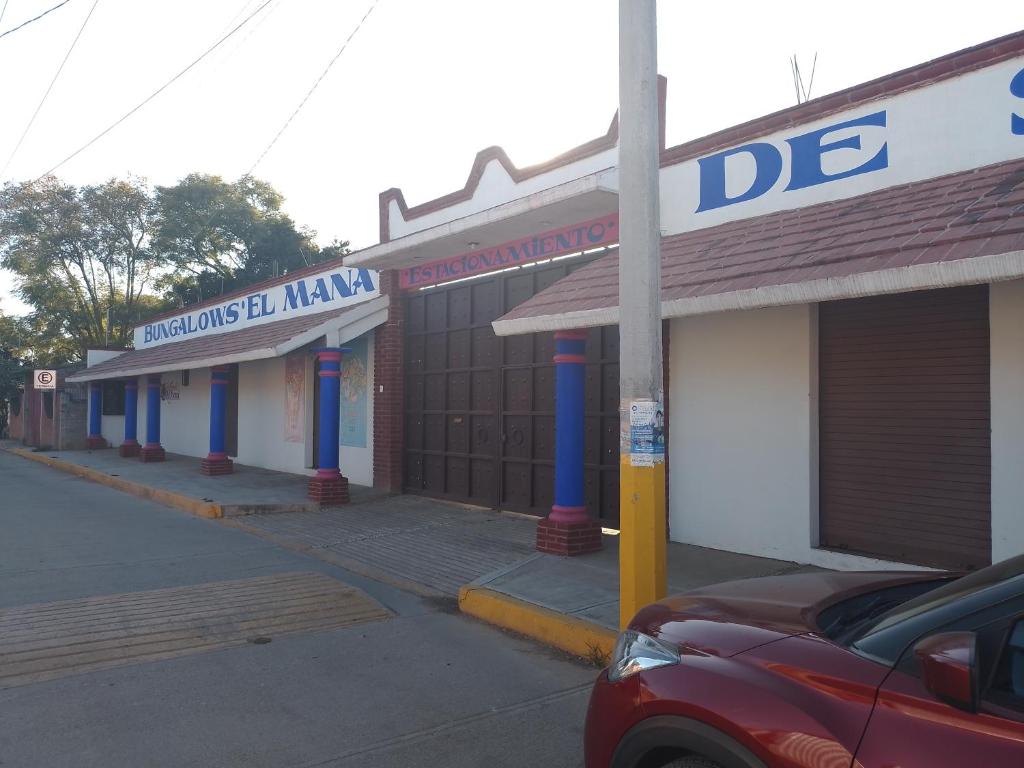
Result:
[[419, 90]]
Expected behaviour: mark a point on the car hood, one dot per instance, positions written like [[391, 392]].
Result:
[[729, 618]]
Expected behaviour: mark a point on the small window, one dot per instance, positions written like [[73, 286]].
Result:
[[1007, 688], [184, 378], [113, 398], [48, 404]]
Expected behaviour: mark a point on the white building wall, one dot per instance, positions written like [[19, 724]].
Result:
[[261, 423], [112, 429], [185, 422], [743, 435], [1006, 317], [261, 418]]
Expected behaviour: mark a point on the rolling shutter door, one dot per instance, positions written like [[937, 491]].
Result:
[[905, 456]]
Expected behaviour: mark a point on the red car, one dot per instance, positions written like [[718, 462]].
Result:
[[820, 670]]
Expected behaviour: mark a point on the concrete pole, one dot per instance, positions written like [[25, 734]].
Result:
[[642, 477]]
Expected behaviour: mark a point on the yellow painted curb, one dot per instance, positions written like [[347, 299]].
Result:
[[567, 633], [168, 498]]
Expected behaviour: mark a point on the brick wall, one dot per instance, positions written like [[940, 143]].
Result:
[[16, 421], [72, 424], [388, 419]]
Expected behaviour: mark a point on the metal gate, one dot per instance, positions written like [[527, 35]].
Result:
[[479, 409], [905, 455]]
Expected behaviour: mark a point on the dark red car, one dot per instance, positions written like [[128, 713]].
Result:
[[820, 670]]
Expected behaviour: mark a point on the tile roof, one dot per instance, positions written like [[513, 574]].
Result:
[[252, 343], [942, 224]]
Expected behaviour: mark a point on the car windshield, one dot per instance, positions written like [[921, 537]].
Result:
[[955, 590]]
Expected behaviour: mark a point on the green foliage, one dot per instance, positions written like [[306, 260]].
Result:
[[95, 261], [219, 236], [82, 259], [12, 370]]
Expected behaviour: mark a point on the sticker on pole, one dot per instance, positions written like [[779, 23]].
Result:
[[646, 433], [45, 379]]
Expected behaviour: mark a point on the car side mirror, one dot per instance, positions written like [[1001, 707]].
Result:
[[949, 668]]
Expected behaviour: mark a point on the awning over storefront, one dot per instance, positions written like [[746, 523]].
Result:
[[253, 343], [960, 229]]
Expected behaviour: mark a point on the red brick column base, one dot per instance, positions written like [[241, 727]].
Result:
[[557, 538], [150, 453], [129, 450], [329, 490], [92, 443], [216, 466]]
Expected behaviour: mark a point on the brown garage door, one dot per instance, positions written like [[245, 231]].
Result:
[[479, 410], [904, 427]]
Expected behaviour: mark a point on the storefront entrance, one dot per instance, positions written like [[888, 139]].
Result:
[[479, 410]]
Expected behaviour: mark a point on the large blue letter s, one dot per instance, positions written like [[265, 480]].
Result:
[[1017, 89]]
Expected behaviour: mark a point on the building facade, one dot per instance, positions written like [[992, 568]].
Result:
[[843, 304]]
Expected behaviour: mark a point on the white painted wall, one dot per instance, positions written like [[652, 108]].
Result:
[[185, 422], [261, 423], [112, 429], [497, 187], [950, 126], [261, 417], [1006, 317], [743, 466]]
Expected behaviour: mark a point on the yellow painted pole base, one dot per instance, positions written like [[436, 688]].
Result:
[[642, 547]]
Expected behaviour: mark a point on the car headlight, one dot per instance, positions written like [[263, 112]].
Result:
[[635, 652]]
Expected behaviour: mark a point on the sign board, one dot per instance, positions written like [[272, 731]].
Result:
[[332, 289], [646, 435], [45, 379], [546, 245], [954, 125]]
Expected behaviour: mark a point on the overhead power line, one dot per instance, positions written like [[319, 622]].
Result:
[[157, 92], [3, 10], [310, 91], [49, 88], [37, 18]]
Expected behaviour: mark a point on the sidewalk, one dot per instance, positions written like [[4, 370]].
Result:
[[484, 558], [177, 482], [487, 558]]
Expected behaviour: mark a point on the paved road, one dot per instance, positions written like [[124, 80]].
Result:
[[136, 635]]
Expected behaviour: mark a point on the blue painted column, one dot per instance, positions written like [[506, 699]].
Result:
[[130, 446], [217, 461], [152, 450], [569, 530], [95, 436], [329, 486], [570, 383]]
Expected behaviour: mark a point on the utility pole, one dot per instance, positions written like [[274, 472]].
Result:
[[641, 452]]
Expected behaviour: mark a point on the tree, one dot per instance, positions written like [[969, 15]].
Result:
[[218, 236], [82, 260], [12, 370]]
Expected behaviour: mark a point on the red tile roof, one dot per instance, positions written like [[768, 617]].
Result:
[[253, 343], [936, 222]]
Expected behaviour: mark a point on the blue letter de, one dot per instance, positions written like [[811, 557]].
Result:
[[768, 165], [808, 149], [1017, 89]]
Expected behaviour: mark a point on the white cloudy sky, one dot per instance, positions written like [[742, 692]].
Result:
[[422, 87]]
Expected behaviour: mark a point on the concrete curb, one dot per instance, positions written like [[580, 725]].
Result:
[[167, 498], [567, 633]]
